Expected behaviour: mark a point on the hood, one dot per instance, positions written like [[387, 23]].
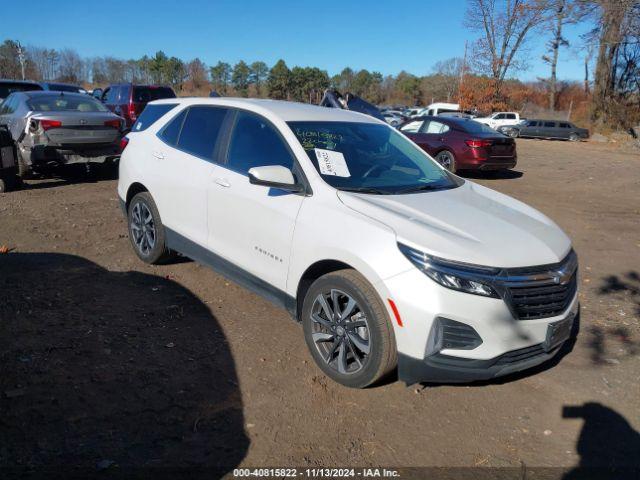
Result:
[[471, 224]]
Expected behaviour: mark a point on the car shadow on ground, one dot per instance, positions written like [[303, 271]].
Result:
[[118, 371], [608, 445], [491, 174]]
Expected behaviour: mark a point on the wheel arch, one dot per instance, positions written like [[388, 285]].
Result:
[[134, 189], [311, 274]]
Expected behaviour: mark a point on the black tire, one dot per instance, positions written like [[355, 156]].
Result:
[[382, 356], [513, 133], [574, 137], [447, 159], [155, 252], [4, 186]]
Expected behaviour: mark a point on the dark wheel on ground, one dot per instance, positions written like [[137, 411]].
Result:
[[574, 137], [4, 186], [447, 160], [146, 232], [513, 133], [348, 330]]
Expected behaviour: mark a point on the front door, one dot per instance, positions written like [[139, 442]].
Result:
[[250, 225]]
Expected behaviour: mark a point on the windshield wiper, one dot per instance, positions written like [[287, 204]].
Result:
[[421, 188], [376, 191]]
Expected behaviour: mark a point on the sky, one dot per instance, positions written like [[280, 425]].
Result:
[[377, 35]]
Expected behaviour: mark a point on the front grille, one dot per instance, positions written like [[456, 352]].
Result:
[[520, 355], [543, 301], [542, 292]]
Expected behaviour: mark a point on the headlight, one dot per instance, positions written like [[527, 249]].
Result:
[[463, 277]]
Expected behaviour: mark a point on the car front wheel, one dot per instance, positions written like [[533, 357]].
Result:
[[574, 137], [348, 330]]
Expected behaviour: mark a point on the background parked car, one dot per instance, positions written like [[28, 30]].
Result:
[[9, 86], [128, 100], [62, 87], [462, 143], [52, 128], [499, 119], [349, 101], [393, 118], [546, 129]]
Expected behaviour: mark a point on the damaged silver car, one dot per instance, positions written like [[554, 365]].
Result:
[[57, 128]]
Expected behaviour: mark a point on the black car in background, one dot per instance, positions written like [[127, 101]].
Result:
[[7, 87], [557, 129]]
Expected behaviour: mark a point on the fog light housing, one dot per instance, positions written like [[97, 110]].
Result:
[[447, 333]]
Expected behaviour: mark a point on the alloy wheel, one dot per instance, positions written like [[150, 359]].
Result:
[[143, 228], [340, 331], [445, 159]]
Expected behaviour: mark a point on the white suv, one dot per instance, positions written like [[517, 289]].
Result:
[[384, 257]]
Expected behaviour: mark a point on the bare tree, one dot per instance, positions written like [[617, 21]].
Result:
[[504, 26], [71, 66], [618, 37], [563, 12]]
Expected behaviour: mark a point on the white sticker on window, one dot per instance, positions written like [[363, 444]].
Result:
[[332, 163]]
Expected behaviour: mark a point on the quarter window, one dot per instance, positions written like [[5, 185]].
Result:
[[200, 130], [150, 115], [435, 127], [256, 143], [412, 127], [565, 125], [171, 131]]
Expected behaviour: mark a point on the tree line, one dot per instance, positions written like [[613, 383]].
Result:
[[482, 79]]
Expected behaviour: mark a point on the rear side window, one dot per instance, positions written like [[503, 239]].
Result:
[[150, 115], [171, 131], [549, 124], [148, 94], [435, 127], [565, 125], [412, 127], [256, 143], [532, 124], [511, 116], [200, 130]]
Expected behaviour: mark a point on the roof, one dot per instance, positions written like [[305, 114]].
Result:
[[287, 111], [24, 82], [52, 93]]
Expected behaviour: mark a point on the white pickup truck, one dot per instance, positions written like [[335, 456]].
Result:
[[499, 119]]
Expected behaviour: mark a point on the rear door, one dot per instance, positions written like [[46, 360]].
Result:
[[251, 225], [181, 164], [549, 129]]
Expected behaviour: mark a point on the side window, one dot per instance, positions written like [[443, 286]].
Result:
[[532, 124], [10, 105], [500, 116], [412, 127], [256, 143], [549, 124], [435, 127], [109, 94], [200, 130], [511, 116], [565, 125], [170, 132]]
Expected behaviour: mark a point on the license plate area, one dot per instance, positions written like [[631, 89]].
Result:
[[558, 332]]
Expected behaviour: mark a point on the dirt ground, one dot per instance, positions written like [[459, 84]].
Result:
[[108, 363]]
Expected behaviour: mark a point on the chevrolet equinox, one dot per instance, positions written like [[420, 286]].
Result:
[[386, 258]]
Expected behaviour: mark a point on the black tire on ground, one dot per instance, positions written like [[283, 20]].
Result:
[[513, 133], [4, 186], [574, 137], [149, 239], [447, 159], [382, 355]]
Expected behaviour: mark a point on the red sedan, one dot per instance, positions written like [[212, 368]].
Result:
[[462, 143]]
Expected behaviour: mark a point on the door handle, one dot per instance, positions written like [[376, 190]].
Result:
[[222, 182], [159, 155]]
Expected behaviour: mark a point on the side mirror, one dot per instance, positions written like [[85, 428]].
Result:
[[274, 176]]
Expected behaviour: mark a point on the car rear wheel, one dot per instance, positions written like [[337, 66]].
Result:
[[447, 160], [513, 133], [146, 232], [574, 137], [348, 330], [24, 170]]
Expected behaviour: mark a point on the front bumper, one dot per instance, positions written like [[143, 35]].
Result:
[[507, 345]]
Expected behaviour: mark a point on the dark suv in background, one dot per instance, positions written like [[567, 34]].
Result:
[[546, 129], [128, 100]]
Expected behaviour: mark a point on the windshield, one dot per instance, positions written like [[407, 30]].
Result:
[[65, 103], [369, 158]]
